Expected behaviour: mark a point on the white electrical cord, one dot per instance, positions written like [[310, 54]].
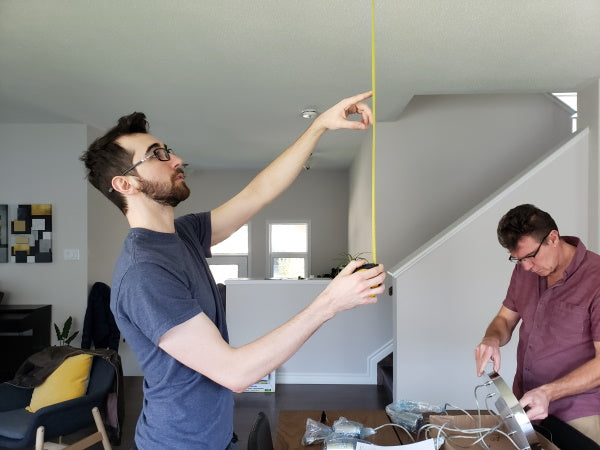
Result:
[[477, 434], [397, 426]]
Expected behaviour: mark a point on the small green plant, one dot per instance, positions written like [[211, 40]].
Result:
[[344, 258], [63, 336], [342, 261]]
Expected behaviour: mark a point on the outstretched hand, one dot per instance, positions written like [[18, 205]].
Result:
[[350, 289], [337, 117]]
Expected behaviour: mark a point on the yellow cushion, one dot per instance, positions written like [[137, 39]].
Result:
[[68, 381]]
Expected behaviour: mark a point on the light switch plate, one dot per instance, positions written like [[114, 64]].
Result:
[[71, 254]]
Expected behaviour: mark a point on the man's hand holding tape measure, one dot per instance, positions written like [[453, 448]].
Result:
[[359, 283]]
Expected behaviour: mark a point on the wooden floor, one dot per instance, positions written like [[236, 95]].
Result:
[[302, 396], [247, 406], [286, 396]]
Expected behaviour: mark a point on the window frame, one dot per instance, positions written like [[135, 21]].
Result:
[[242, 260], [272, 255]]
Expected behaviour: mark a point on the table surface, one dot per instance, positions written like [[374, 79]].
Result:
[[292, 425]]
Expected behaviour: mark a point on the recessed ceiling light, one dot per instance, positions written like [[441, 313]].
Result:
[[309, 113]]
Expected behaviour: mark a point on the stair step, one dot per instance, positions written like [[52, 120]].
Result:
[[385, 378]]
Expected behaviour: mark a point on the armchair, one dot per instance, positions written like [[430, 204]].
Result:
[[18, 427]]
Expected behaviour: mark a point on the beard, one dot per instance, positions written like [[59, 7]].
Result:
[[169, 195]]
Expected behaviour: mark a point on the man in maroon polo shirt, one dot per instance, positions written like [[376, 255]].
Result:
[[555, 292]]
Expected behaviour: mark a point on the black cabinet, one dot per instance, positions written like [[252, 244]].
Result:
[[24, 330]]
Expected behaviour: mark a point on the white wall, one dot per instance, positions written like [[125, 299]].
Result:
[[107, 228], [359, 208], [446, 154], [588, 116], [320, 196], [448, 292], [35, 168], [342, 351]]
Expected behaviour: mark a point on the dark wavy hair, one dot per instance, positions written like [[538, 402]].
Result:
[[524, 220], [105, 159]]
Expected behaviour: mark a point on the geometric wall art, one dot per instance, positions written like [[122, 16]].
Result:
[[3, 233], [31, 233]]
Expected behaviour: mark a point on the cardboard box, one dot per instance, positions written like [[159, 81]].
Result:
[[495, 441], [266, 384]]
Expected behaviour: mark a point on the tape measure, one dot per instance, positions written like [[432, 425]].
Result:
[[374, 136], [373, 151], [367, 266]]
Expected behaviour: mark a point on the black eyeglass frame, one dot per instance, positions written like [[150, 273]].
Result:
[[160, 153], [516, 260]]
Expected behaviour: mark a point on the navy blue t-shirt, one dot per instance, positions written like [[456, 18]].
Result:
[[161, 280]]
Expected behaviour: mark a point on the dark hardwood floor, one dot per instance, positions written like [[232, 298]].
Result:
[[247, 406], [285, 397], [302, 396]]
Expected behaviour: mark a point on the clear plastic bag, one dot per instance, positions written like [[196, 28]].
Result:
[[337, 441], [409, 414], [351, 428], [316, 432], [342, 430]]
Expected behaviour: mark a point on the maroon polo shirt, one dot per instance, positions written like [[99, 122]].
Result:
[[559, 326]]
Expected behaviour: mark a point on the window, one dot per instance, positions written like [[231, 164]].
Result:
[[289, 250], [230, 257]]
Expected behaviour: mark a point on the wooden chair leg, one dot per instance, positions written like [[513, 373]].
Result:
[[101, 429], [39, 438], [98, 436]]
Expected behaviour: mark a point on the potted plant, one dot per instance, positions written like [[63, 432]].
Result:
[[343, 259]]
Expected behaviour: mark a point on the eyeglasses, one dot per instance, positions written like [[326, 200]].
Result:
[[516, 260], [160, 153]]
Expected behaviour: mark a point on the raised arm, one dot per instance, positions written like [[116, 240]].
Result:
[[278, 175], [497, 334], [198, 344]]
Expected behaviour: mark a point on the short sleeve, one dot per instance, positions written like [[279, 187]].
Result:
[[154, 300], [510, 301], [196, 227]]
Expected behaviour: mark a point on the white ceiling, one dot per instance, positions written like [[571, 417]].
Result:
[[223, 82]]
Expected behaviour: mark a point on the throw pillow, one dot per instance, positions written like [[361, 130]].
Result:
[[68, 381]]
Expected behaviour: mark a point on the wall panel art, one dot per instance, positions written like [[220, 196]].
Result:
[[3, 233], [31, 233]]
